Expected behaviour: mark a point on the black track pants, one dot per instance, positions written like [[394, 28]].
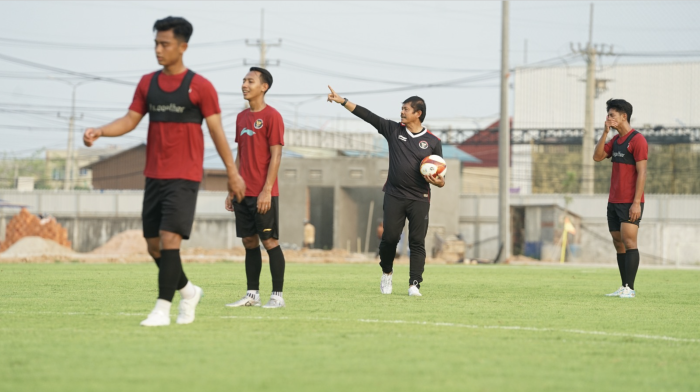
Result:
[[396, 210]]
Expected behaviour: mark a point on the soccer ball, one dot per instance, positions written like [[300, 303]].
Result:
[[433, 165]]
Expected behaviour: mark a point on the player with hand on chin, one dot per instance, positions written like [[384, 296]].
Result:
[[629, 152], [177, 101], [260, 137], [406, 192]]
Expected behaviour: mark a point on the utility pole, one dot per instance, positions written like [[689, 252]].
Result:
[[504, 145], [593, 88], [68, 174], [262, 44]]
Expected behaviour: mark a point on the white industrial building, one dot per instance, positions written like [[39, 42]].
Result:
[[661, 94]]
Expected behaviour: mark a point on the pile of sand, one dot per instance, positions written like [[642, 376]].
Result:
[[36, 246], [26, 224], [130, 242]]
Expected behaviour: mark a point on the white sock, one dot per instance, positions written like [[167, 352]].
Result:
[[253, 293], [277, 293], [188, 291], [163, 306]]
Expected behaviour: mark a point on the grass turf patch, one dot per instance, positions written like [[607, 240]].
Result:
[[74, 327]]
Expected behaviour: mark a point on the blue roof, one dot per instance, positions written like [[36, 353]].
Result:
[[453, 152]]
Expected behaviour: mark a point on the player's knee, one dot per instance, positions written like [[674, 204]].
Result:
[[251, 242], [270, 243], [630, 244], [153, 246], [170, 240], [154, 251]]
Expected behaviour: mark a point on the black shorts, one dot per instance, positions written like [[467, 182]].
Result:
[[169, 205], [619, 213], [250, 223]]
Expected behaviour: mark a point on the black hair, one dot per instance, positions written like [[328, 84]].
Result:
[[265, 76], [620, 106], [417, 103], [182, 29]]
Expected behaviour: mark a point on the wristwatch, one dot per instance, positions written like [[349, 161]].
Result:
[[344, 102]]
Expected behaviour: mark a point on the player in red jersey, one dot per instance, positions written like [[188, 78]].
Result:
[[260, 137], [177, 101], [629, 152]]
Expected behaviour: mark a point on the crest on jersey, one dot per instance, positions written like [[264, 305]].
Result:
[[258, 124], [423, 144]]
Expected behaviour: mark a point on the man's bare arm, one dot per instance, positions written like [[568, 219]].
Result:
[[641, 181], [599, 153], [116, 128], [265, 198], [273, 169], [636, 208], [236, 186]]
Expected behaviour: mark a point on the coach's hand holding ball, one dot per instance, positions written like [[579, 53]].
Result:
[[438, 180]]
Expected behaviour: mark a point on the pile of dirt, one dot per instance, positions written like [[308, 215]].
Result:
[[130, 242], [25, 224], [36, 246]]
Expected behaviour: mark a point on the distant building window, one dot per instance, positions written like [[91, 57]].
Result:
[[57, 173], [290, 173], [84, 172], [316, 174], [356, 173], [383, 173]]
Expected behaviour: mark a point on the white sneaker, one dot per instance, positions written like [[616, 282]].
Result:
[[414, 292], [246, 301], [628, 293], [616, 293], [275, 302], [157, 318], [187, 306], [385, 286]]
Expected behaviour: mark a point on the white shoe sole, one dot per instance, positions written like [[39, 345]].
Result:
[[243, 305], [190, 321], [163, 323]]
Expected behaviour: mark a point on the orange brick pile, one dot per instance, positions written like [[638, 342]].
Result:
[[26, 224]]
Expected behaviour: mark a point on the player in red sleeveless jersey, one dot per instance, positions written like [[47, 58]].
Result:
[[629, 152], [177, 101]]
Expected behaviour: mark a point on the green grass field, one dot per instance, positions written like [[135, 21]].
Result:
[[74, 327]]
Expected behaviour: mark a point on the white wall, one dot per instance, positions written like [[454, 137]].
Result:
[[668, 233], [661, 94]]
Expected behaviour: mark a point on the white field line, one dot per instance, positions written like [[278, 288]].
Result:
[[502, 327], [426, 323]]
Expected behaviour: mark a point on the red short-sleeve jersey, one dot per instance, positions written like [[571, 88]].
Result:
[[176, 150], [623, 183], [255, 133]]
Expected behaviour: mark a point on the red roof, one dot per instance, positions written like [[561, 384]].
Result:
[[484, 146]]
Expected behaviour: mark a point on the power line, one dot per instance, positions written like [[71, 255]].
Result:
[[80, 46], [63, 71]]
